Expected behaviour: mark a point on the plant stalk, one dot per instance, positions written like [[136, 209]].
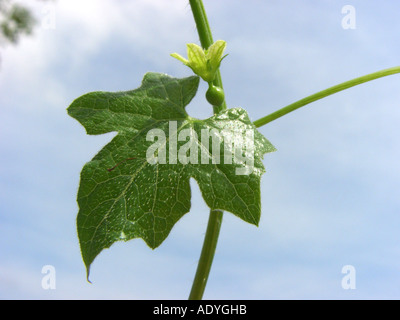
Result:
[[206, 39], [324, 93], [215, 218], [207, 255]]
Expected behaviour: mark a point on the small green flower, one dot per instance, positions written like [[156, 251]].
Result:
[[204, 63]]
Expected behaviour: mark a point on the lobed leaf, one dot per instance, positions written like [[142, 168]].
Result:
[[126, 194]]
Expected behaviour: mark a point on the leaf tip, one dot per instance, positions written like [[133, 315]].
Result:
[[88, 274]]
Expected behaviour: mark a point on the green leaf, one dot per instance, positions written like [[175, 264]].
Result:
[[137, 186]]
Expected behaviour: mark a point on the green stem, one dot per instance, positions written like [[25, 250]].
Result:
[[324, 93], [215, 218], [206, 39], [207, 255]]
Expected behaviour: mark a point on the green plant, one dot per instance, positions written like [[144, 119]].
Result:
[[138, 184], [15, 20]]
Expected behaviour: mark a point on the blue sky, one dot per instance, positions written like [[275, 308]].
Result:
[[330, 196]]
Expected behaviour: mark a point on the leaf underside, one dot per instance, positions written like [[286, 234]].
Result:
[[123, 196]]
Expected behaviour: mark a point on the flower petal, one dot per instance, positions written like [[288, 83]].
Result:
[[180, 58]]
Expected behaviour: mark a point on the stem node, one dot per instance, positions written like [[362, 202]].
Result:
[[215, 219]]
